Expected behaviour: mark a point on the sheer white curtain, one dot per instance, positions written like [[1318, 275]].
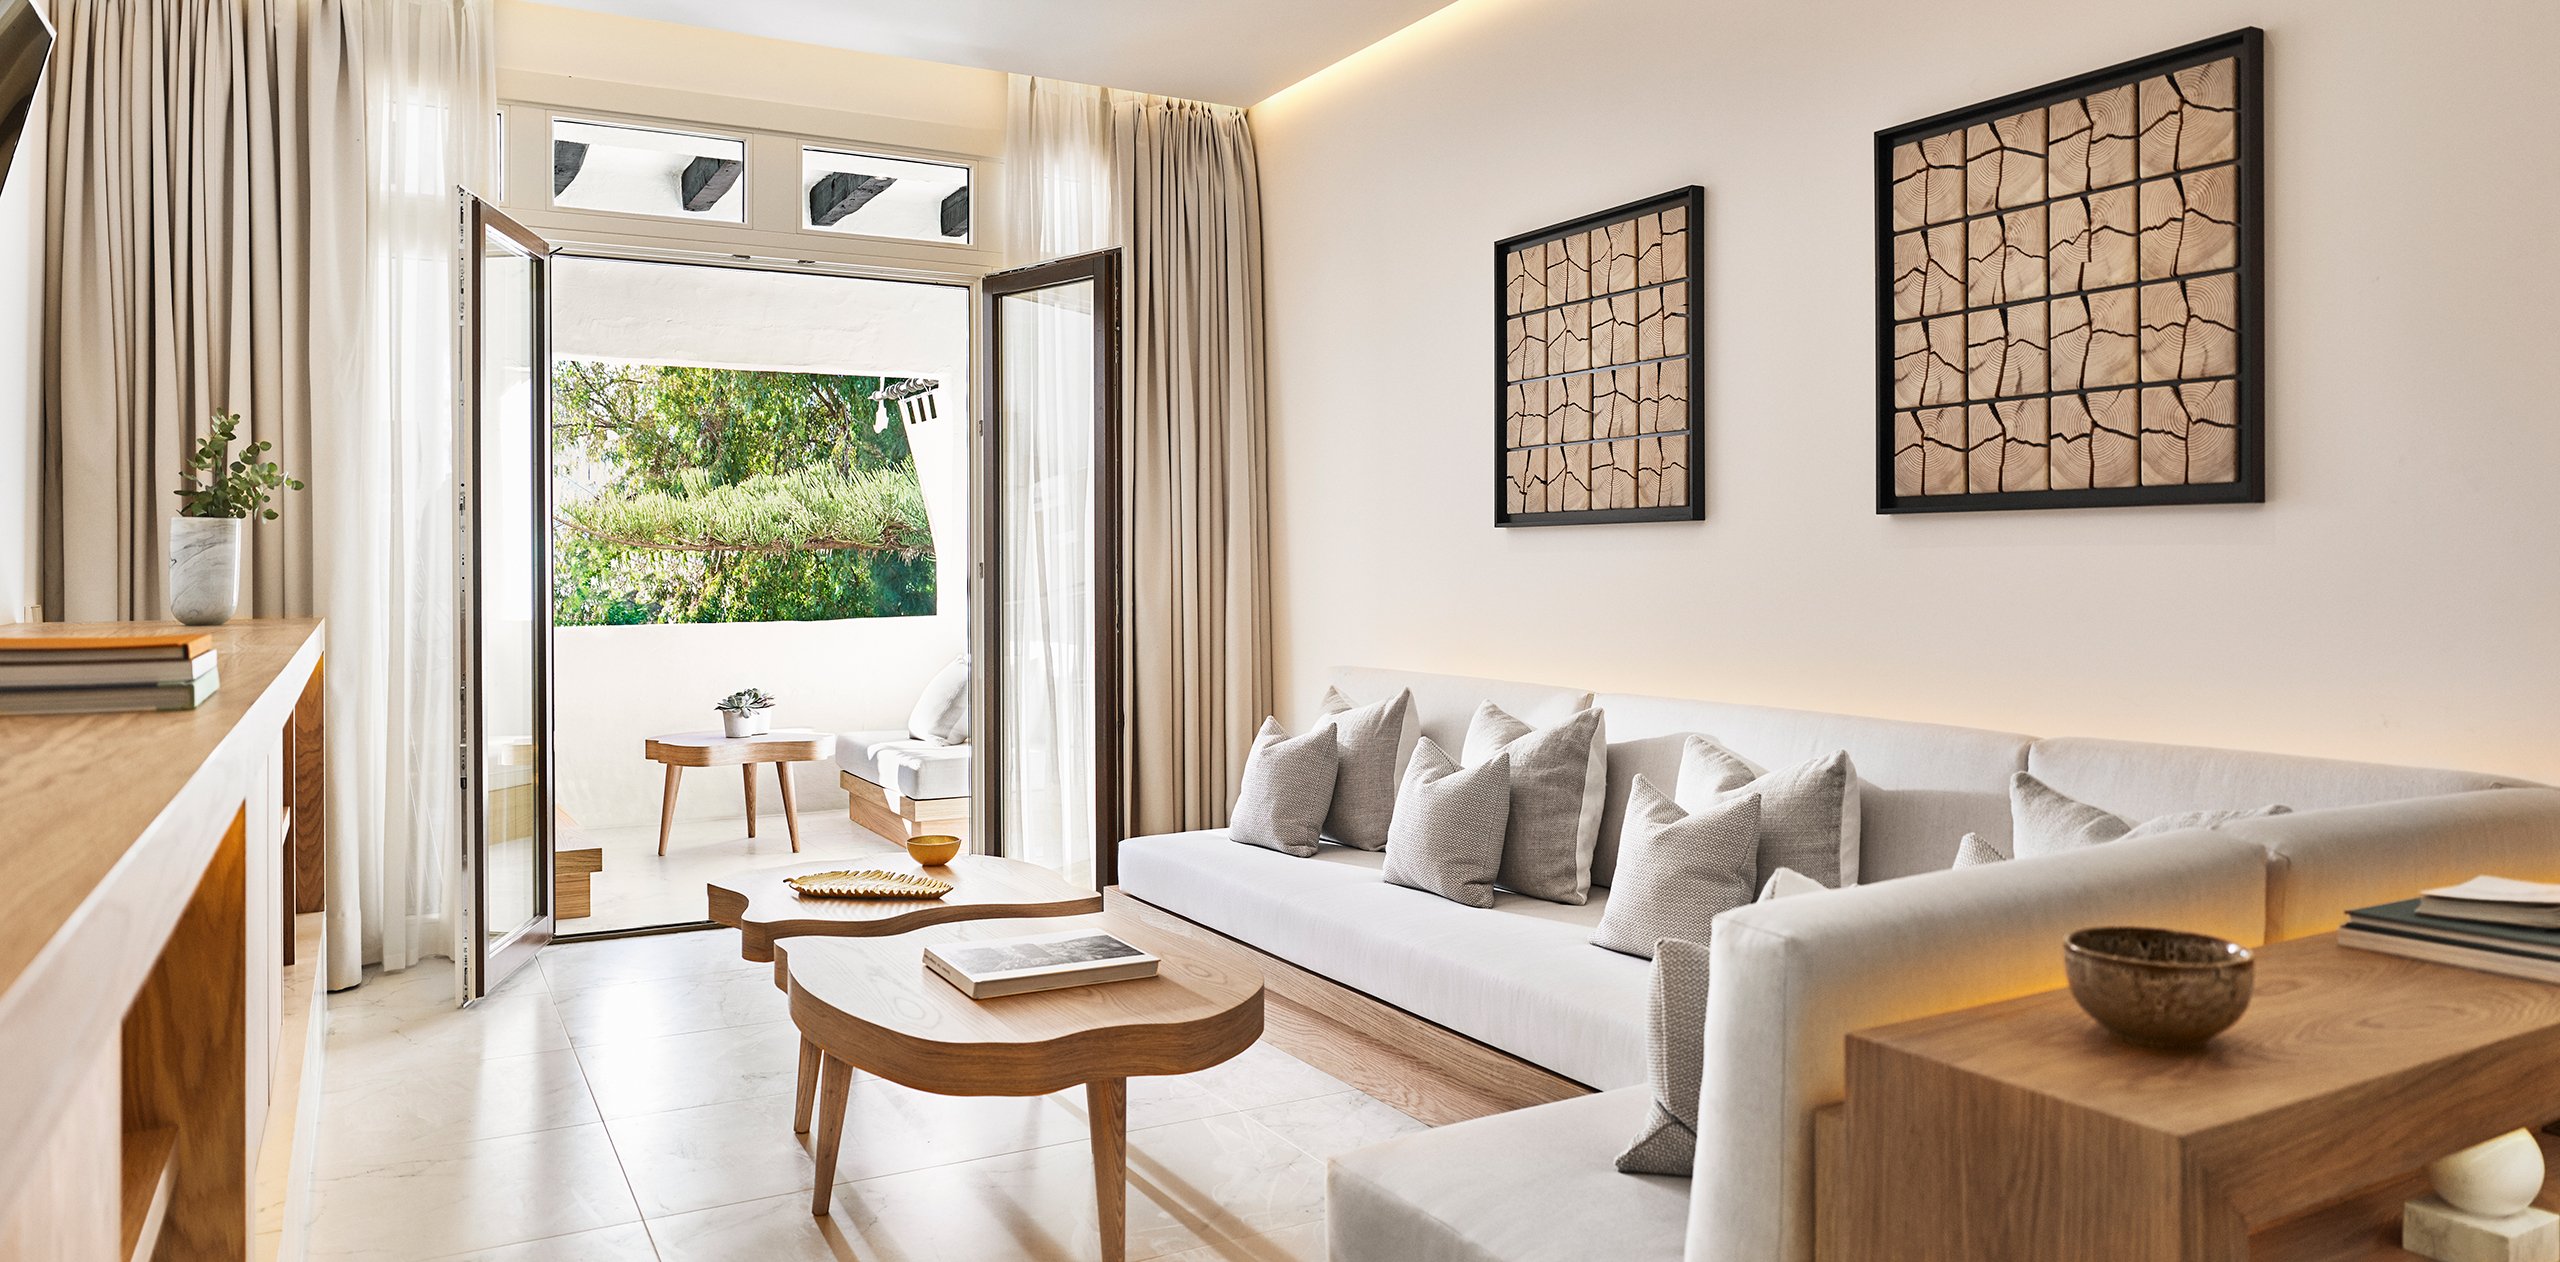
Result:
[[1057, 203], [385, 533]]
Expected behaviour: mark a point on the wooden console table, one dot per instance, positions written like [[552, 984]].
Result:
[[160, 945], [2022, 1132]]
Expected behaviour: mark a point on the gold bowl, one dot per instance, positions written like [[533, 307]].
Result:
[[2159, 987], [933, 849]]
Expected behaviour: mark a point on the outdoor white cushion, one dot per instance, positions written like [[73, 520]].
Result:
[[2048, 822], [942, 711], [1559, 779], [1447, 834], [1288, 785], [924, 772], [859, 752]]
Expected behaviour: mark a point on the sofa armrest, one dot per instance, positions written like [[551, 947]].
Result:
[[1793, 977], [2320, 864]]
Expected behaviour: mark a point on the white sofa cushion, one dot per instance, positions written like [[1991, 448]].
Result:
[[1559, 776], [1526, 1186], [2139, 780], [1447, 834], [1444, 704], [1793, 977], [1680, 869], [1920, 785], [941, 713], [859, 752], [1522, 977], [926, 772], [1288, 787], [1369, 740], [2322, 863]]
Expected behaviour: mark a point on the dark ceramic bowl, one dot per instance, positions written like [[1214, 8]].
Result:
[[2159, 987]]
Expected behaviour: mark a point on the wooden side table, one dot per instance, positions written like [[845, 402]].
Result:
[[717, 749], [871, 1004], [2022, 1132]]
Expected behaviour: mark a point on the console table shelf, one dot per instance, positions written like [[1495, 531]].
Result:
[[2022, 1131]]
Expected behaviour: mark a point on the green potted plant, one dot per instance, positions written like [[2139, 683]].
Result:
[[218, 491], [742, 713]]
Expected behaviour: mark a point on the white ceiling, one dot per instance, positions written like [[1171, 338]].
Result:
[[1233, 51]]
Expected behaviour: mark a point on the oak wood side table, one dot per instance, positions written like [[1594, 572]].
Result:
[[2022, 1132], [871, 1004], [718, 749]]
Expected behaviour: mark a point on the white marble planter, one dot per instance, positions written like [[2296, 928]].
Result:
[[749, 723], [204, 569]]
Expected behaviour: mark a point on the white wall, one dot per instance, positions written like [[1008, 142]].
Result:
[[21, 377], [2396, 598], [617, 686]]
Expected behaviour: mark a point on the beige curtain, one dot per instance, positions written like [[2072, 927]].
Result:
[[1195, 547]]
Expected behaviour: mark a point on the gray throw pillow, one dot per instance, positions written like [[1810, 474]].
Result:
[[1368, 738], [1288, 785], [1973, 852], [1677, 869], [1808, 812], [2050, 822], [1559, 779], [1446, 838], [1676, 1045], [941, 714]]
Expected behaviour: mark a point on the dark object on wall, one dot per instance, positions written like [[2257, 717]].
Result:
[[1596, 353], [707, 180], [955, 213], [568, 157], [25, 40], [841, 193], [2069, 292]]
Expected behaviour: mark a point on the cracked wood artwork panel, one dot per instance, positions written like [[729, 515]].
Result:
[[2067, 292]]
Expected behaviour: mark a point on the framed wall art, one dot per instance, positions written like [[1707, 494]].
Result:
[[1597, 348], [2069, 295]]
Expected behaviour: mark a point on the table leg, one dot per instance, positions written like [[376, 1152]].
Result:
[[807, 1087], [1106, 1105], [834, 1076], [750, 770], [790, 803], [667, 808]]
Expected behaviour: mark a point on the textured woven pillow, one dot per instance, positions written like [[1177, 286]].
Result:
[[2049, 822], [1446, 838], [1676, 1044], [1559, 778], [1973, 852], [1808, 812], [1368, 738], [941, 714], [1288, 786], [1677, 870]]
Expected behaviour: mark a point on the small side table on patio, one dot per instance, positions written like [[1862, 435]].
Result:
[[715, 749]]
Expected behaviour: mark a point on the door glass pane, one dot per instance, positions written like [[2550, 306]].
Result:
[[1046, 579], [647, 171], [508, 553], [868, 194]]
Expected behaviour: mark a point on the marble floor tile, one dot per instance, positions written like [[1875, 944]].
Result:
[[683, 1071], [470, 1196], [676, 1005], [573, 965], [626, 1243], [394, 1036], [1302, 1243], [1191, 1184], [366, 1118], [1263, 1074], [1328, 1126]]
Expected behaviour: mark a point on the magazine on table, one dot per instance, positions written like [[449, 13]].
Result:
[[983, 968]]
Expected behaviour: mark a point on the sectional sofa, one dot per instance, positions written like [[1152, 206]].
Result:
[[1793, 976]]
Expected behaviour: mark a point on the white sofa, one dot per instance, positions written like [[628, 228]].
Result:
[[1791, 977]]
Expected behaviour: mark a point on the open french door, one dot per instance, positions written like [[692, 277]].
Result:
[[502, 469], [1049, 540]]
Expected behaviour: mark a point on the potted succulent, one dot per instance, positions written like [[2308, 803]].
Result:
[[742, 712], [218, 491]]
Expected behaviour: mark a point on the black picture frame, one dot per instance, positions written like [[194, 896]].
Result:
[[2246, 48], [1693, 199]]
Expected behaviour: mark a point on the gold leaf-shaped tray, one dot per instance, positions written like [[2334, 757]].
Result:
[[867, 883]]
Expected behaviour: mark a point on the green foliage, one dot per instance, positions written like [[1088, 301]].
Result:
[[718, 495], [214, 483], [746, 701]]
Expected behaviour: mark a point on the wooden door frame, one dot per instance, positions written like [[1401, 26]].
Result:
[[1102, 269], [485, 963]]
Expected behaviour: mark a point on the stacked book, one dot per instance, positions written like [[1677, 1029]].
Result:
[[987, 968], [2490, 923], [102, 674]]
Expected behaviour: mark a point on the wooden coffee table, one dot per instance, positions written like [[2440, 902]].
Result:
[[870, 1003], [718, 749], [761, 908]]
